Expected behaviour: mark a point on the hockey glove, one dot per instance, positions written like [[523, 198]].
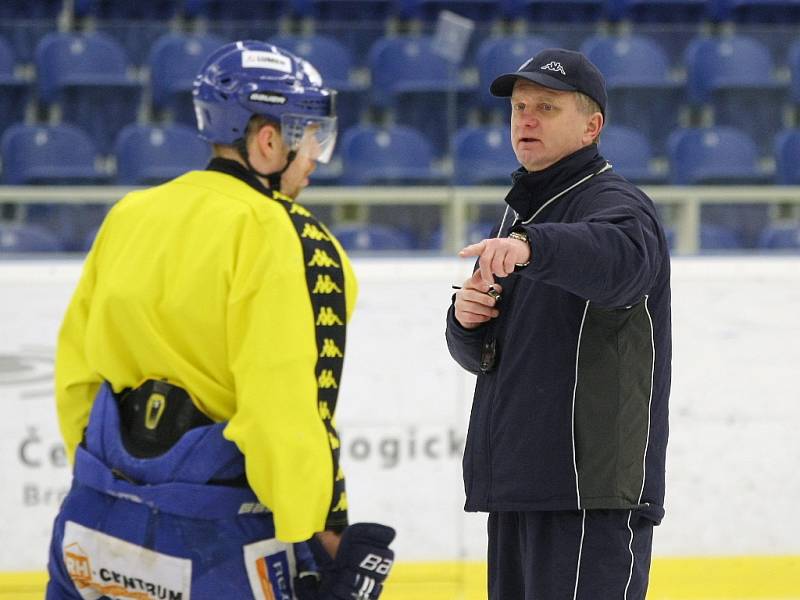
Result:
[[361, 565]]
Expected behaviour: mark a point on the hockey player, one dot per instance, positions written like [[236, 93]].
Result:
[[199, 363]]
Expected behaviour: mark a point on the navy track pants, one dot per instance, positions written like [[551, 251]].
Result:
[[569, 555]]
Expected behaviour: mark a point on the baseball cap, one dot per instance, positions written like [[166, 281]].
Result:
[[557, 69]]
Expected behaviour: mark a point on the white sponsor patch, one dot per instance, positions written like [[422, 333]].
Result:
[[271, 569], [102, 566], [258, 59]]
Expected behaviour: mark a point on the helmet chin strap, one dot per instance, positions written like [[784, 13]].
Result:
[[273, 178]]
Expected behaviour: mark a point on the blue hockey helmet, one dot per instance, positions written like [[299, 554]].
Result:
[[247, 78]]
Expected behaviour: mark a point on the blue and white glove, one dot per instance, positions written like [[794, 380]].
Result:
[[362, 564]]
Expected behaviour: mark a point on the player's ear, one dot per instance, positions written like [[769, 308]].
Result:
[[265, 140]]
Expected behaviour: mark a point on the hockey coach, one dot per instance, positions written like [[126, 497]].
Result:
[[566, 322]]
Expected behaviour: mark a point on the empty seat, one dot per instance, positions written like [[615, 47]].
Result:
[[719, 237], [641, 92], [483, 156], [735, 75], [475, 232], [779, 12], [152, 10], [659, 11], [785, 236], [388, 156], [149, 155], [236, 10], [175, 61], [794, 69], [787, 157], [13, 89], [366, 236], [334, 61], [421, 87], [19, 237], [555, 11], [55, 155], [31, 9], [721, 155], [496, 56], [630, 152], [428, 10], [713, 155], [87, 76]]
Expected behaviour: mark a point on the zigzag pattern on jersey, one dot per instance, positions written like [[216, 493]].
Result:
[[325, 279]]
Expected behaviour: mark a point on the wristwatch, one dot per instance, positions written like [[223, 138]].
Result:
[[522, 237]]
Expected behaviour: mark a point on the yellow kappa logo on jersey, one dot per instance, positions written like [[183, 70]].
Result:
[[325, 285], [328, 318], [299, 210], [339, 474], [326, 379], [330, 349], [334, 441], [322, 259], [324, 411], [313, 232]]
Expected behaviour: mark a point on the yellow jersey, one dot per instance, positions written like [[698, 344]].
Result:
[[240, 296]]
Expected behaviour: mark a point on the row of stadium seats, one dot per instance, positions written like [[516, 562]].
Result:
[[88, 80], [22, 237], [397, 155], [690, 11]]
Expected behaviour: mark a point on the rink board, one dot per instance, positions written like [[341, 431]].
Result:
[[732, 479]]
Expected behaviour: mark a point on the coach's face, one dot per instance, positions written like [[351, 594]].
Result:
[[547, 125]]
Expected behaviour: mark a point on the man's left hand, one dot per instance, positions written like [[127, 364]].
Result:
[[498, 256]]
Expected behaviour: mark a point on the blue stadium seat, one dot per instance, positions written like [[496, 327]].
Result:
[[713, 155], [149, 155], [152, 10], [555, 11], [31, 9], [794, 68], [641, 93], [86, 74], [778, 12], [735, 74], [787, 157], [236, 10], [55, 155], [335, 63], [719, 237], [391, 156], [630, 152], [420, 86], [174, 62], [19, 238], [13, 89], [372, 237], [659, 11], [476, 232], [721, 155], [428, 10], [780, 237], [496, 56], [483, 156]]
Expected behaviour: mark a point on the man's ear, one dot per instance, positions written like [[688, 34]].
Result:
[[593, 127]]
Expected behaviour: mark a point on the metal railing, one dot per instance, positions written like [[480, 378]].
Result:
[[682, 203]]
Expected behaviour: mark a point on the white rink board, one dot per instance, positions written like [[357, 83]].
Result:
[[733, 455]]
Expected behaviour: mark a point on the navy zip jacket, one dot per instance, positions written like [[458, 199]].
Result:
[[573, 413]]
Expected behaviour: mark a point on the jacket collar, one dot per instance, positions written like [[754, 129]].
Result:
[[532, 190], [238, 170]]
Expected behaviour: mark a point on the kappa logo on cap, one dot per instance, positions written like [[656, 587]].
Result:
[[554, 66]]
